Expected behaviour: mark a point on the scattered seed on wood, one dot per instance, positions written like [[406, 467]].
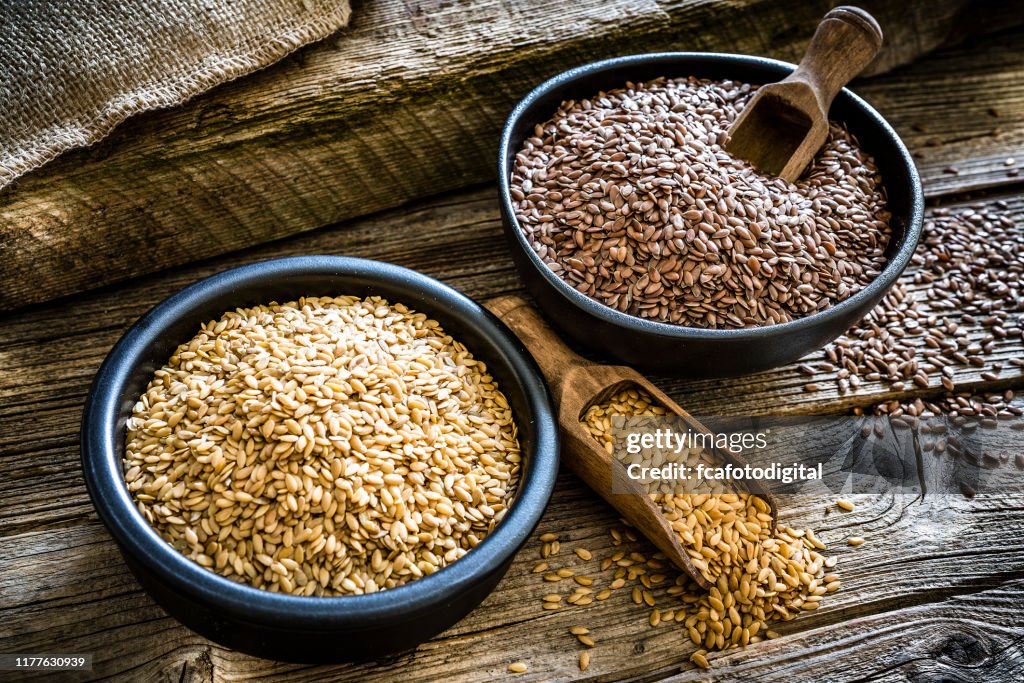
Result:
[[968, 268], [700, 659]]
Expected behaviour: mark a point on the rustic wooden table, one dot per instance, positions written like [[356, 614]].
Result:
[[936, 592]]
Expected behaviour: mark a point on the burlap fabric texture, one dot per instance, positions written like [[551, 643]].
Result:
[[71, 70]]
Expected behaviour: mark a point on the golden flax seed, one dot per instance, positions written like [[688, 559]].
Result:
[[285, 446]]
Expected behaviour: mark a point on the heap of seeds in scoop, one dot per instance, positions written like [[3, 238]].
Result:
[[757, 575], [964, 300], [629, 197], [320, 447]]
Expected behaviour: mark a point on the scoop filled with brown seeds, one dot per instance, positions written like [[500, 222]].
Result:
[[323, 446], [629, 198]]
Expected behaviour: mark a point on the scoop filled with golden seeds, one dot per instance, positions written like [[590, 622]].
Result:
[[323, 446], [757, 574]]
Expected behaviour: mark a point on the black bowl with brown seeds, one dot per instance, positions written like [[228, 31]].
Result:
[[661, 347]]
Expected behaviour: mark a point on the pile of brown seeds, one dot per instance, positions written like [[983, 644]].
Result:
[[324, 446], [629, 198], [970, 265], [758, 575]]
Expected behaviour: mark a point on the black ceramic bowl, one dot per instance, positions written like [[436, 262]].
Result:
[[311, 629], [687, 351]]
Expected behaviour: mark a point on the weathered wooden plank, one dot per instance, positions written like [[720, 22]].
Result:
[[406, 102], [963, 124], [65, 585], [973, 636], [66, 590]]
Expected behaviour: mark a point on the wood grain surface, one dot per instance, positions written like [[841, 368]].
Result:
[[406, 102], [63, 585], [935, 593]]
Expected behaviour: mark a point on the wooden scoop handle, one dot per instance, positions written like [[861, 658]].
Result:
[[846, 41], [575, 382], [556, 360]]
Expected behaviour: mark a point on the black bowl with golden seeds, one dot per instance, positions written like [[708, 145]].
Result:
[[666, 348], [298, 628]]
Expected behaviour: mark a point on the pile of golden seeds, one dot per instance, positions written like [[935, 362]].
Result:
[[323, 446], [758, 575]]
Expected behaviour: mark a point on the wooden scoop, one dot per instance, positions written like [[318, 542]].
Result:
[[786, 123], [577, 384]]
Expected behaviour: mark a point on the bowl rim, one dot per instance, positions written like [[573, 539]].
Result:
[[890, 272], [104, 476]]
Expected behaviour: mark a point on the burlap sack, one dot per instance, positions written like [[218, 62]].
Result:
[[71, 70]]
